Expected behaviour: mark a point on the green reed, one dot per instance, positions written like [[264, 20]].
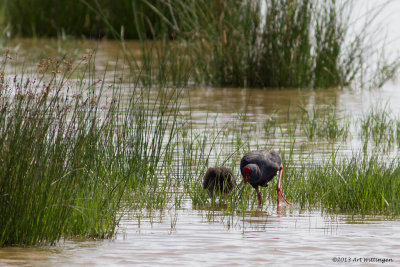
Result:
[[301, 43], [379, 127], [291, 43], [51, 164], [218, 145], [358, 184], [324, 123], [72, 158], [398, 131], [70, 166], [319, 123]]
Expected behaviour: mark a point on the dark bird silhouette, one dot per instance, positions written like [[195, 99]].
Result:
[[219, 180], [259, 167]]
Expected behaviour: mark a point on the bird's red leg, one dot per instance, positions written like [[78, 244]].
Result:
[[259, 198], [278, 187]]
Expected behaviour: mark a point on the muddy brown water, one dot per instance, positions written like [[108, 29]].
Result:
[[261, 239], [189, 237]]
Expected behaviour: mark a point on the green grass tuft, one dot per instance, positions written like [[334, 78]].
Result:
[[358, 185], [70, 155]]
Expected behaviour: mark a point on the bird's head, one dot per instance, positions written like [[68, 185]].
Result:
[[249, 173]]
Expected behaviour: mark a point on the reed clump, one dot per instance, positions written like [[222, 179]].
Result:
[[324, 123], [273, 43], [278, 43], [53, 164], [379, 127], [318, 123], [362, 183], [70, 156], [359, 184]]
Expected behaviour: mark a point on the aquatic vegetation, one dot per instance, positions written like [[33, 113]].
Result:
[[273, 43], [398, 131], [53, 162], [319, 123], [357, 185], [379, 127], [361, 183], [73, 160], [281, 43], [72, 164], [161, 62], [70, 156], [324, 123]]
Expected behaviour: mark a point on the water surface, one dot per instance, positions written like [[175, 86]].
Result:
[[261, 239]]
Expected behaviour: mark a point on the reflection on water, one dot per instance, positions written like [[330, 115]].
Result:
[[292, 238]]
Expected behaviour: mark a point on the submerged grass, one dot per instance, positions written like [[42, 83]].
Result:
[[381, 128], [364, 183], [318, 123], [324, 123], [358, 185]]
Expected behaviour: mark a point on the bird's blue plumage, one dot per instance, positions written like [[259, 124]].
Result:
[[264, 164]]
